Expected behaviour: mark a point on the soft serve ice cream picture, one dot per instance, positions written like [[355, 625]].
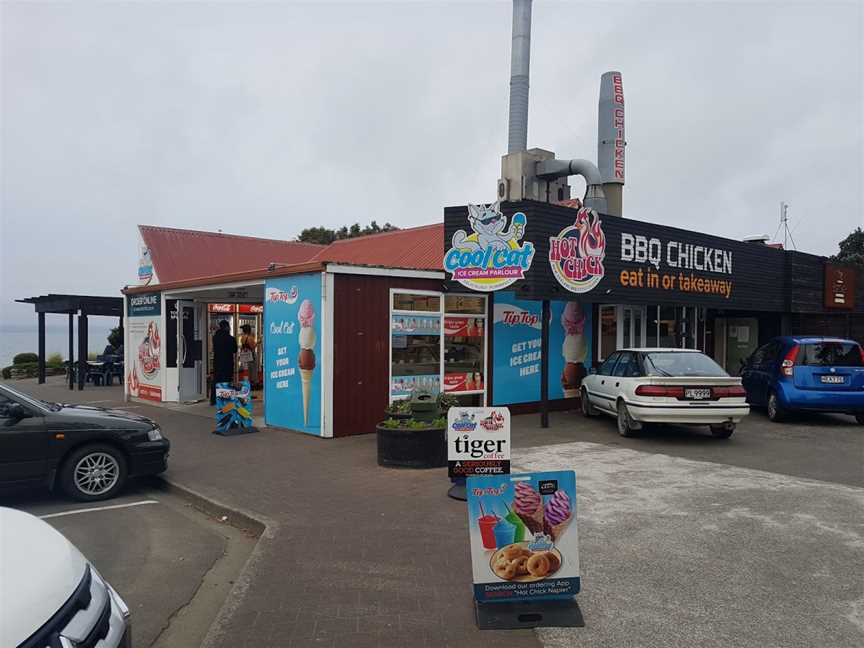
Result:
[[574, 349], [524, 543], [306, 359]]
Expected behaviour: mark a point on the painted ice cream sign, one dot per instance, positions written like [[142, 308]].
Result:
[[292, 318], [493, 255]]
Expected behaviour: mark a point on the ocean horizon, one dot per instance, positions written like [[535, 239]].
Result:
[[23, 338]]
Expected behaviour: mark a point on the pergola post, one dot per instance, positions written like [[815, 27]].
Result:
[[82, 349], [40, 363], [71, 350]]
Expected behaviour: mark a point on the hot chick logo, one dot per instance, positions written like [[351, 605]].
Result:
[[576, 254], [491, 257]]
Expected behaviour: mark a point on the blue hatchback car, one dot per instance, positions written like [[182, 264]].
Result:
[[816, 374]]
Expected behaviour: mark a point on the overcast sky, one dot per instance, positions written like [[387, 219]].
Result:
[[263, 118]]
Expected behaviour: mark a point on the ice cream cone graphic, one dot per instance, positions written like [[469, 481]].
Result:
[[574, 349], [557, 515], [528, 505], [306, 359]]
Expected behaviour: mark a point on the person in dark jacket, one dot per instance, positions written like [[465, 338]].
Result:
[[224, 349]]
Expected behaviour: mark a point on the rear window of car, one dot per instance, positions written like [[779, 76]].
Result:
[[830, 354], [672, 363]]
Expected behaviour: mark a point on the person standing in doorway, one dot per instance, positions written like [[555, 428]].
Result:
[[224, 350], [249, 354]]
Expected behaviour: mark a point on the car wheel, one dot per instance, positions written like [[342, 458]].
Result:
[[860, 419], [775, 410], [587, 408], [94, 472], [625, 423], [722, 431]]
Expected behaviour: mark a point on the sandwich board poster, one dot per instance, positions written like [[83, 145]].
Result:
[[524, 543], [516, 348], [292, 352], [144, 325], [478, 441]]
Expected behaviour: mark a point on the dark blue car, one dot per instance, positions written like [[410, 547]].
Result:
[[815, 374]]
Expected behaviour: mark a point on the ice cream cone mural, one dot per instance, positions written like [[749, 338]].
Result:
[[306, 359], [574, 349]]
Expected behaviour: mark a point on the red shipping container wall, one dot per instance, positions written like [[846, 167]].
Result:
[[361, 348]]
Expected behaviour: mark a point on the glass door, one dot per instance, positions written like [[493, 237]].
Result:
[[631, 327]]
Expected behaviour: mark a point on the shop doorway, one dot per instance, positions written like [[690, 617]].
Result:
[[742, 338], [189, 350]]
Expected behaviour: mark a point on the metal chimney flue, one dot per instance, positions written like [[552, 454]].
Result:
[[520, 62]]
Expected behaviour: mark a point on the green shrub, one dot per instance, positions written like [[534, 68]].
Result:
[[6, 372], [115, 337], [23, 358], [54, 360]]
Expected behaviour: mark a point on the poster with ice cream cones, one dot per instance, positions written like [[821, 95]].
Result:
[[292, 343], [516, 348], [524, 542]]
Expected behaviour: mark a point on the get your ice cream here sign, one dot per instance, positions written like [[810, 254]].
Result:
[[516, 348], [292, 343], [524, 543]]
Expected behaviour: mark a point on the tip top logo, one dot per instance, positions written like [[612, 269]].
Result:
[[491, 257], [286, 296], [465, 423], [576, 254], [517, 317]]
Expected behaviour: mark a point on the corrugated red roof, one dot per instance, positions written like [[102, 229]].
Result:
[[414, 248], [181, 254]]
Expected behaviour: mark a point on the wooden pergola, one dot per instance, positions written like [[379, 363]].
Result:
[[81, 305]]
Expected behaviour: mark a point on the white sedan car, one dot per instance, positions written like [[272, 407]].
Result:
[[665, 386]]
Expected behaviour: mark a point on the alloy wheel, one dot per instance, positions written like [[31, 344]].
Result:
[[96, 473]]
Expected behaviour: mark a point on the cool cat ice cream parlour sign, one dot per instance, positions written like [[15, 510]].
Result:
[[524, 543], [492, 255]]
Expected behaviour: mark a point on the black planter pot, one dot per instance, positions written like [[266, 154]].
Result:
[[406, 448]]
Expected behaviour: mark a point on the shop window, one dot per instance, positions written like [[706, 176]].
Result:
[[416, 302], [415, 347], [464, 354], [608, 331], [467, 304], [652, 317], [667, 329]]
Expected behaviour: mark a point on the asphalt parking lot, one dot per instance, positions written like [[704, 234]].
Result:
[[172, 564], [825, 447]]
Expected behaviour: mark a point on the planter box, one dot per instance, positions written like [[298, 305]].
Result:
[[407, 448]]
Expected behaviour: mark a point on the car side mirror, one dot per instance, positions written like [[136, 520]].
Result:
[[16, 412]]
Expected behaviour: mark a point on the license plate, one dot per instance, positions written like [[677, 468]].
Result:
[[697, 394], [833, 380]]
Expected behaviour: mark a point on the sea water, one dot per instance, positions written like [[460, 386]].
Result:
[[23, 338]]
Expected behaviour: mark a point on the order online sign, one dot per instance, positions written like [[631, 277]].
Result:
[[478, 441]]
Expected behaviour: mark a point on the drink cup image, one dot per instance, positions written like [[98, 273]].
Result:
[[504, 533], [487, 530], [519, 526]]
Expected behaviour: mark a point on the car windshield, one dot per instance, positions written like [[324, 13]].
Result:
[[29, 399], [679, 363], [831, 354]]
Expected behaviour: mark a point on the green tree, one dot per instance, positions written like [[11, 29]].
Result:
[[115, 337], [852, 249], [325, 236]]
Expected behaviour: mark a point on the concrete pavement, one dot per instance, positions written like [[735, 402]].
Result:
[[675, 551]]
